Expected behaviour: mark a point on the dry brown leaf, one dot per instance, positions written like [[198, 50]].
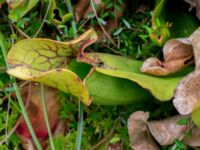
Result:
[[83, 8], [194, 39], [187, 96], [36, 115], [140, 138], [142, 132], [167, 131], [194, 3], [115, 146], [15, 3], [193, 140], [178, 53], [80, 8]]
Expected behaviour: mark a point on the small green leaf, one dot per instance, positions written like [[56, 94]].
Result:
[[118, 8], [188, 133], [91, 15], [102, 21], [183, 121], [115, 140], [117, 32], [179, 145], [126, 23], [21, 10]]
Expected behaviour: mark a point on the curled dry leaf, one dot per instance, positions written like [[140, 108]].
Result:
[[140, 138], [142, 132], [186, 97], [36, 115], [167, 130], [194, 38], [178, 53]]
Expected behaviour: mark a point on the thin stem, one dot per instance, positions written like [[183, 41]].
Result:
[[102, 141], [20, 31], [10, 133], [81, 106], [13, 25], [7, 117], [92, 4], [19, 98], [46, 116], [43, 20], [80, 126]]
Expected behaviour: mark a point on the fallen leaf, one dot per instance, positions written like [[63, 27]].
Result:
[[193, 140], [83, 8], [140, 138], [142, 133], [186, 97], [178, 54], [194, 39], [45, 60], [80, 8], [36, 115], [115, 146], [167, 131]]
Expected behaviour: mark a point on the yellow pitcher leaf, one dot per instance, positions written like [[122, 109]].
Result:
[[45, 60]]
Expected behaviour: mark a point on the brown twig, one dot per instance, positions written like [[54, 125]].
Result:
[[107, 35], [104, 140]]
